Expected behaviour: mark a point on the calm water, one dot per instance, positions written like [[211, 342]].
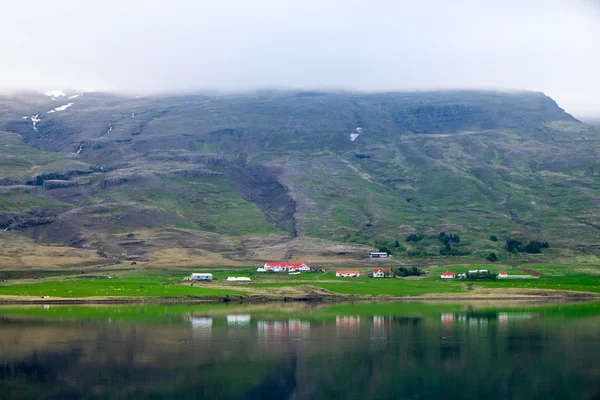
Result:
[[367, 351]]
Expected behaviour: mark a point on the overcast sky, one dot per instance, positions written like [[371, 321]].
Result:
[[155, 46]]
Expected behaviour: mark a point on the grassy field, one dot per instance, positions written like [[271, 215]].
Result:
[[169, 284]]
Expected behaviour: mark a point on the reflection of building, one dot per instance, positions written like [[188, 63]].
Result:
[[381, 326], [293, 328], [347, 322], [503, 318], [298, 329], [202, 325], [238, 319], [448, 318]]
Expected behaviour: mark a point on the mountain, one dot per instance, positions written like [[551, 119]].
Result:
[[286, 174]]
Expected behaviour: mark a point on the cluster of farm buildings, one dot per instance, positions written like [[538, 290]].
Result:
[[295, 268]]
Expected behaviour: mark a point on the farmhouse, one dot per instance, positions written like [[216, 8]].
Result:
[[381, 272], [201, 277], [378, 254], [503, 274], [282, 266], [448, 275], [347, 273]]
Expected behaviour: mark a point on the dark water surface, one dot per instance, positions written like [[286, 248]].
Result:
[[365, 351]]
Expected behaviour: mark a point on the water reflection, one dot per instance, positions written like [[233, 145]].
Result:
[[272, 352]]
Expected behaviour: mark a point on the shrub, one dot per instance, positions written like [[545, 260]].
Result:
[[492, 257], [415, 237], [494, 238]]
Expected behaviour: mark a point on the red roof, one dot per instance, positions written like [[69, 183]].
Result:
[[503, 273], [347, 271], [284, 264], [384, 270], [449, 273]]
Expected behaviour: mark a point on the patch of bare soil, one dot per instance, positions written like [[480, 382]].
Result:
[[532, 272]]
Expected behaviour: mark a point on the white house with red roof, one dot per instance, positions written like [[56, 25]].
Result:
[[503, 274], [448, 275], [381, 272], [284, 266], [347, 273]]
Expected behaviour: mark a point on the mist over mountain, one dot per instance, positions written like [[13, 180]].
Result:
[[294, 172]]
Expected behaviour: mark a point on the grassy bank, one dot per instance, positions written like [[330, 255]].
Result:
[[169, 284]]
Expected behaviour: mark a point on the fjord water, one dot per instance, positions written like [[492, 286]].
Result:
[[298, 351]]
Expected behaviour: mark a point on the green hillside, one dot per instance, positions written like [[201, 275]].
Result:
[[341, 172]]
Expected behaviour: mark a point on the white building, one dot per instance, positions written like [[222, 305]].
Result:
[[201, 277], [378, 254], [238, 279]]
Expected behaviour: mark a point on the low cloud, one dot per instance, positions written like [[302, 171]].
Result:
[[150, 46]]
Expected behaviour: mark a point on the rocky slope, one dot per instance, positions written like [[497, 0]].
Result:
[[262, 169]]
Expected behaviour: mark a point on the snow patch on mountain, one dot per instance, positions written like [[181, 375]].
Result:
[[35, 120], [357, 131], [61, 108], [54, 94], [74, 96]]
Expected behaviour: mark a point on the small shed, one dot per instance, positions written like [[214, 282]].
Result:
[[448, 275]]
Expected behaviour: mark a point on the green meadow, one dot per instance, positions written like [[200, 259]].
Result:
[[169, 284]]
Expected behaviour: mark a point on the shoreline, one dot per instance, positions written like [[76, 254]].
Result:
[[546, 295]]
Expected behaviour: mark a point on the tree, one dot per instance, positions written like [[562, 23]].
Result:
[[451, 238], [384, 249], [492, 257], [514, 245], [397, 244], [494, 238], [533, 247]]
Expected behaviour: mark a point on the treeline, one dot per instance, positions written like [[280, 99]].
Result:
[[518, 246]]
